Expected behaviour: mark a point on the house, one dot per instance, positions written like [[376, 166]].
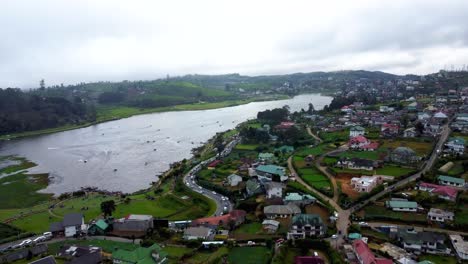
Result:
[[439, 215], [274, 189], [402, 205], [71, 225], [132, 225], [299, 199], [358, 142], [357, 131], [423, 116], [285, 125], [451, 181], [271, 171], [460, 246], [443, 192], [308, 260], [357, 164], [23, 253], [389, 130], [253, 187], [281, 211], [234, 180], [440, 116], [270, 226], [455, 145], [285, 149], [403, 155], [346, 109], [366, 183], [152, 254], [199, 232], [386, 109], [235, 217], [412, 107], [212, 165], [410, 132], [266, 157], [99, 228], [365, 256], [306, 225], [80, 254], [422, 242], [309, 159], [397, 253]]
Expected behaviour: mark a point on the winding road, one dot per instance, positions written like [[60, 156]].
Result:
[[343, 221]]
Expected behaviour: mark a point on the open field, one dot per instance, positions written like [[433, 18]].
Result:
[[249, 255], [370, 155], [372, 212], [20, 190], [205, 256], [439, 259], [421, 148], [389, 170], [250, 228]]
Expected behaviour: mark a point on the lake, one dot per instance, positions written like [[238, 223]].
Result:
[[128, 154]]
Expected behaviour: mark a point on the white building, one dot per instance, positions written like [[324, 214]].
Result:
[[357, 131], [460, 245], [366, 183], [439, 215], [274, 190]]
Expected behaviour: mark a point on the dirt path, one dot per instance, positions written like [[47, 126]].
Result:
[[313, 135]]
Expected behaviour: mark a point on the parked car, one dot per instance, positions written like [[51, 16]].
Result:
[[47, 235], [335, 236], [25, 243], [363, 224], [39, 239]]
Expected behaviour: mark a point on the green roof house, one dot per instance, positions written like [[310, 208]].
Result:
[[299, 199], [285, 149], [98, 228], [451, 181], [269, 171], [354, 236], [402, 205], [141, 255], [266, 156]]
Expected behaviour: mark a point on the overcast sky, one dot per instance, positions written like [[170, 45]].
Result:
[[97, 40]]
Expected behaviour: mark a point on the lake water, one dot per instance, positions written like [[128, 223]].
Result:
[[139, 148]]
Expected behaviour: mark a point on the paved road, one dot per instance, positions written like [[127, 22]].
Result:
[[427, 166], [313, 135], [223, 204]]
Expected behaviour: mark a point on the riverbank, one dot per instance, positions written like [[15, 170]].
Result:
[[111, 113]]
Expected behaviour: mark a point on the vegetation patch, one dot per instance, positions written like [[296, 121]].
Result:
[[20, 190], [249, 255]]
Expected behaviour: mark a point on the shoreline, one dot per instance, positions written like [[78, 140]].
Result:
[[140, 111]]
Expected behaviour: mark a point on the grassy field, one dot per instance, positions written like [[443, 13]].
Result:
[[370, 155], [250, 228], [208, 256], [175, 252], [389, 170], [246, 146], [421, 148], [439, 259], [337, 136], [378, 212], [311, 175], [167, 204], [318, 150], [19, 190], [249, 255]]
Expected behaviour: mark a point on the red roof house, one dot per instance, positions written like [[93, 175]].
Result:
[[285, 125], [444, 192], [365, 255], [214, 163], [238, 216]]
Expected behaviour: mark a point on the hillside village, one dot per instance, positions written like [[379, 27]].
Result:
[[378, 176]]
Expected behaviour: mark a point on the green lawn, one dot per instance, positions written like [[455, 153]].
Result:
[[381, 213], [251, 228], [392, 170], [314, 178], [205, 256], [20, 190], [246, 146], [249, 255], [420, 147], [318, 150], [439, 259], [176, 252], [337, 136], [371, 155]]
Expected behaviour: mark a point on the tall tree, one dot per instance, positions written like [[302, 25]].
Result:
[[108, 207]]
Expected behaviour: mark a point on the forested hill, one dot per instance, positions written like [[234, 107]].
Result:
[[50, 107]]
